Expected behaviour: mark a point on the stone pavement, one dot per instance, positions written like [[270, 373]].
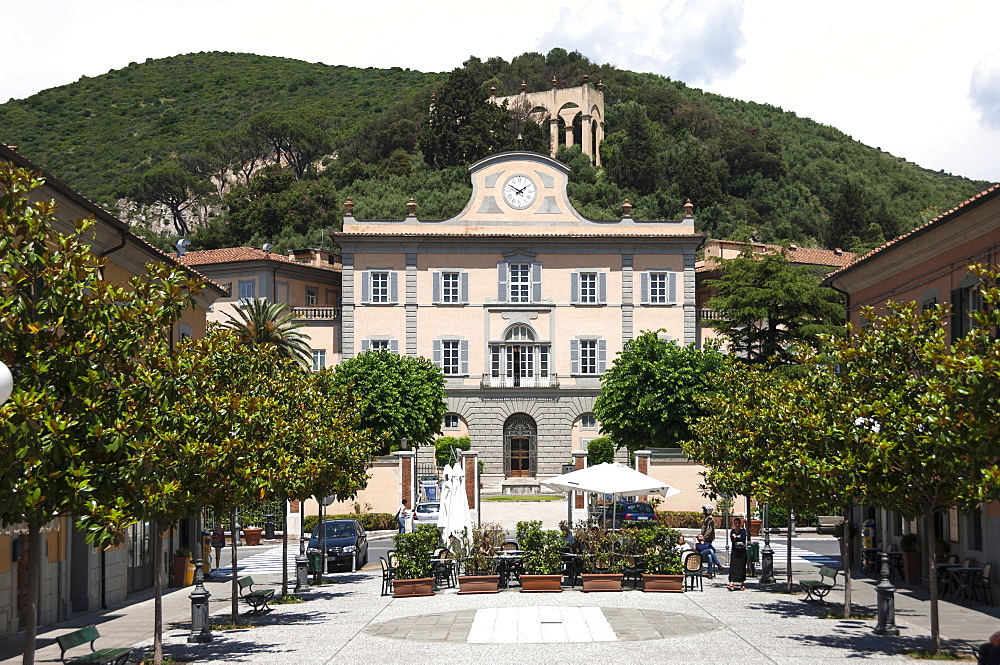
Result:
[[349, 621]]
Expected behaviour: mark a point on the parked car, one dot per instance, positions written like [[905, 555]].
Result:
[[628, 511], [346, 541], [426, 513]]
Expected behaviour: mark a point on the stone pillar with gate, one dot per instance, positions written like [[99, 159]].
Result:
[[470, 464], [407, 476], [579, 462], [642, 465]]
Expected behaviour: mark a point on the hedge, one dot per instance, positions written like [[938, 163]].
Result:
[[370, 521], [680, 519]]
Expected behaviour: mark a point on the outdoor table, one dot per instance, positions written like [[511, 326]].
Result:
[[944, 572], [507, 565], [962, 577], [895, 565]]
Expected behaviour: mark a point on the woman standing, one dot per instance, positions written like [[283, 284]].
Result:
[[738, 560]]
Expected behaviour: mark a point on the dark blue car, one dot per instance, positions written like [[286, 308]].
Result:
[[346, 543]]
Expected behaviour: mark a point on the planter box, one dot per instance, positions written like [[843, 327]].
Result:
[[602, 582], [423, 586], [911, 567], [541, 583], [663, 583], [755, 525], [478, 584], [252, 536], [179, 570]]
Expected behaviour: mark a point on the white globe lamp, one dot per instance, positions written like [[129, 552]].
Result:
[[6, 383]]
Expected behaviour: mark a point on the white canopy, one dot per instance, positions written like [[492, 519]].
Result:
[[454, 517], [605, 478]]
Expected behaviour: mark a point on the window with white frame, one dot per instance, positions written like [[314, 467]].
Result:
[[520, 282], [379, 287], [450, 287], [658, 287], [247, 289], [588, 421], [588, 288], [319, 359], [312, 296], [451, 421], [588, 357], [380, 344], [452, 356]]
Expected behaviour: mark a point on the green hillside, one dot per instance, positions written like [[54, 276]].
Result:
[[166, 130]]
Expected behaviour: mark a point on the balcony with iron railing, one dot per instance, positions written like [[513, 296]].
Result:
[[491, 381], [317, 313]]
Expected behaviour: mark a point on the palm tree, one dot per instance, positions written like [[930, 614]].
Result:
[[263, 322]]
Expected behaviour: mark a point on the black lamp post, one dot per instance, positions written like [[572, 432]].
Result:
[[886, 602], [767, 554], [201, 630]]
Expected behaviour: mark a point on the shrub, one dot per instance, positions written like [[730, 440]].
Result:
[[599, 450], [680, 519], [413, 552], [370, 521], [657, 545], [542, 548], [477, 553], [444, 446]]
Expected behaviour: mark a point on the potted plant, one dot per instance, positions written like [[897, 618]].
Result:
[[414, 573], [251, 535], [909, 545], [754, 522], [180, 566], [602, 565], [477, 559], [658, 546], [542, 559]]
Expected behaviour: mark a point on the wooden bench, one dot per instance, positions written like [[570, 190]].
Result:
[[257, 600], [90, 634], [817, 589]]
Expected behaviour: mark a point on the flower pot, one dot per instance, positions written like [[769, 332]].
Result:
[[478, 584], [252, 536], [663, 583], [911, 567], [602, 582], [423, 586], [755, 527], [178, 571], [541, 583]]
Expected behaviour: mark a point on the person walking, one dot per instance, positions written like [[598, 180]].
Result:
[[708, 524], [707, 551], [403, 516], [738, 559]]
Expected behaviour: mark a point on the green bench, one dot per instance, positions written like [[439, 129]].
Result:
[[817, 589], [257, 600], [101, 656]]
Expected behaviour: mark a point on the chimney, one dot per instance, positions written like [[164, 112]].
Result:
[[792, 246], [838, 251], [626, 209]]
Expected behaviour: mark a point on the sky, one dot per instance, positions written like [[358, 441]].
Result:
[[917, 78]]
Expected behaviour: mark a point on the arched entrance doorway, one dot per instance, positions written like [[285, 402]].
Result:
[[520, 446]]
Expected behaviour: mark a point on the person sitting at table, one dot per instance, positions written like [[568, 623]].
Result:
[[989, 653]]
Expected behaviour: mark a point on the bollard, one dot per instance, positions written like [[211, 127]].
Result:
[[201, 630], [767, 554], [301, 572], [886, 602], [269, 527]]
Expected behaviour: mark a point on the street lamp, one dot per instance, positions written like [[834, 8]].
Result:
[[767, 554], [6, 383]]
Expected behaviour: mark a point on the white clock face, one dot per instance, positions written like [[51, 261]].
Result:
[[519, 191]]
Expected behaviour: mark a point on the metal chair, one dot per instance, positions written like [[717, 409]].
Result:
[[693, 572], [633, 570], [982, 583], [387, 576]]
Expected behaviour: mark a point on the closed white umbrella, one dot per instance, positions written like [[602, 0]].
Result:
[[458, 521]]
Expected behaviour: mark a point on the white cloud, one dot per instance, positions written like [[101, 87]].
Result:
[[985, 90], [693, 41]]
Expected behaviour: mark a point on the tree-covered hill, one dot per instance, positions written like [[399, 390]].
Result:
[[245, 148]]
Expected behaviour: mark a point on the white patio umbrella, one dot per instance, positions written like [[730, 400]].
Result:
[[454, 518], [614, 479]]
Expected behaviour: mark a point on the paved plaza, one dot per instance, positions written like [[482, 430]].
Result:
[[348, 620]]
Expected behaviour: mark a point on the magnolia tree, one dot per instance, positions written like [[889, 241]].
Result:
[[74, 342]]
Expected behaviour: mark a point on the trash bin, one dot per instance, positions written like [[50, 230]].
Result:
[[315, 562], [753, 557]]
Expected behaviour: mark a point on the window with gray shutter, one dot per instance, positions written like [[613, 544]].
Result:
[[672, 288], [435, 287], [536, 282], [602, 288], [366, 345], [463, 356], [464, 287], [574, 356], [502, 278], [602, 356], [574, 288], [366, 287], [394, 287], [436, 353], [394, 346], [644, 288]]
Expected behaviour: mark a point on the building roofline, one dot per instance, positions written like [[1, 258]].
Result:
[[927, 227]]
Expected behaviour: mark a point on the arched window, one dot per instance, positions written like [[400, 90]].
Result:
[[520, 458], [520, 361]]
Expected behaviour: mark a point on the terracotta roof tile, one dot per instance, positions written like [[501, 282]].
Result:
[[237, 254]]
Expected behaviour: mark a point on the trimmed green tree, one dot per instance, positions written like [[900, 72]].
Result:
[[400, 396], [648, 395]]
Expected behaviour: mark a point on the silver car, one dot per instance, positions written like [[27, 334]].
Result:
[[426, 513]]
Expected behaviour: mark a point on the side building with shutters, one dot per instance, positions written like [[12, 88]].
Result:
[[522, 302]]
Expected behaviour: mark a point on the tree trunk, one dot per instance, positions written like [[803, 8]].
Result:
[[31, 611], [154, 527], [845, 559], [284, 554], [932, 581], [789, 552], [234, 586]]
